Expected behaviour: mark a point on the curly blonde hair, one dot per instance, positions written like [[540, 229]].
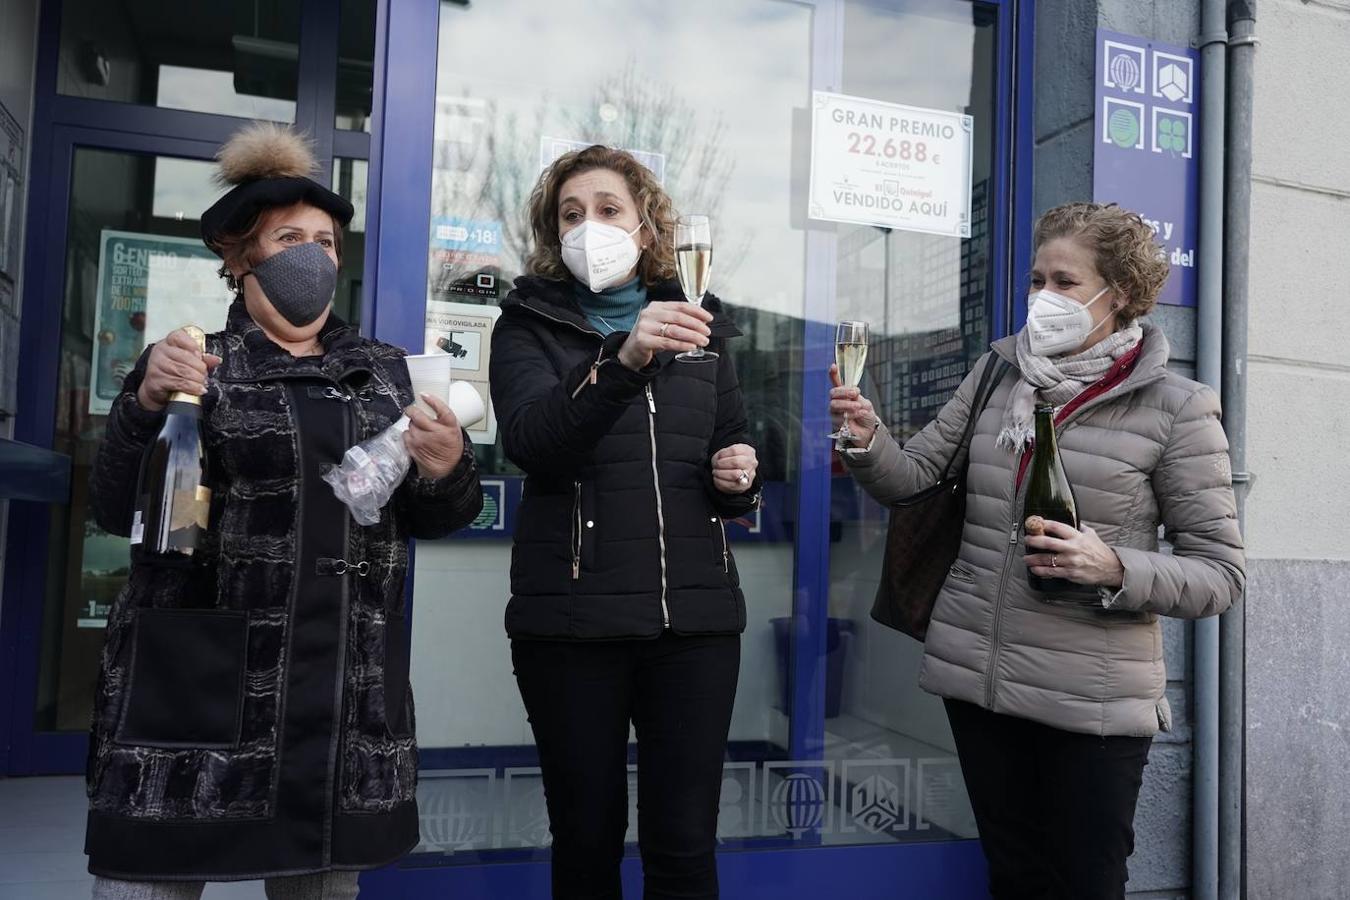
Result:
[[1128, 254], [654, 207]]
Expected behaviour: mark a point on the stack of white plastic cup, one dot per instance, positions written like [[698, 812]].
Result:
[[430, 374]]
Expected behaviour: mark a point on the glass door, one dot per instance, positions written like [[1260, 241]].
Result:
[[834, 750], [138, 103], [649, 79]]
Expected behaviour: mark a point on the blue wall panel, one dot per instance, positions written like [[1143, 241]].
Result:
[[936, 871]]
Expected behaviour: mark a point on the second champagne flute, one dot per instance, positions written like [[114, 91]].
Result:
[[693, 261], [850, 354]]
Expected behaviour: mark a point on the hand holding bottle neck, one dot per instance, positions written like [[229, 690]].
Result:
[[176, 369]]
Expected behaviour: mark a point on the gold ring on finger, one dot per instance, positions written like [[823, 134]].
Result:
[[664, 326]]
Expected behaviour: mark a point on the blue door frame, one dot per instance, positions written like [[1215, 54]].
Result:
[[394, 294]]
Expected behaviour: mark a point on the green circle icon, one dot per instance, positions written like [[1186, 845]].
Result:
[[1123, 126], [488, 517]]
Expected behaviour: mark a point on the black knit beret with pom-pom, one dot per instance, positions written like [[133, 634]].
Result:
[[268, 165]]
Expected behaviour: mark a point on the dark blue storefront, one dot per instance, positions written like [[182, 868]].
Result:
[[435, 117]]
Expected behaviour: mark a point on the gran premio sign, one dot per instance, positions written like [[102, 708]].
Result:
[[889, 165]]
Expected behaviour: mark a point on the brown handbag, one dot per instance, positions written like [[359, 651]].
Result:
[[924, 534]]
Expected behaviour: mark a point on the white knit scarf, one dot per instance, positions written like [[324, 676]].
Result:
[[1056, 381]]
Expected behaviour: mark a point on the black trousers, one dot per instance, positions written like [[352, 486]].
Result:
[[1055, 809], [580, 697]]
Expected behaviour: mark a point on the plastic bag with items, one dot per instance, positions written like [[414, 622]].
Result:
[[370, 472]]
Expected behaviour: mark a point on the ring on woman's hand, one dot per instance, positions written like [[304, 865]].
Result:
[[744, 477], [1054, 560], [664, 326]]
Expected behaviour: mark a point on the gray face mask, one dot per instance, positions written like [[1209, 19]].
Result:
[[300, 282]]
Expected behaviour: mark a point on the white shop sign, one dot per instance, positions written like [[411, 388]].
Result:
[[890, 165]]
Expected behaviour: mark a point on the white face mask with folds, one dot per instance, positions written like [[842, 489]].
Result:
[[1058, 324], [600, 255]]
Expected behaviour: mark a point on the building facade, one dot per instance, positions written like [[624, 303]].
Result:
[[435, 119]]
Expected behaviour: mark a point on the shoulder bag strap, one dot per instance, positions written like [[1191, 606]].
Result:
[[989, 379]]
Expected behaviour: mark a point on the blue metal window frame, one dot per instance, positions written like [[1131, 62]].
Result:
[[400, 154]]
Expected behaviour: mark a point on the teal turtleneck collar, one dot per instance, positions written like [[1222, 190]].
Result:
[[613, 309]]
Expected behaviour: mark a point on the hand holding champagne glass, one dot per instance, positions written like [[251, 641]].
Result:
[[693, 261], [850, 356]]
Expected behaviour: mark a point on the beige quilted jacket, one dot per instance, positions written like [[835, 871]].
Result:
[[1149, 451]]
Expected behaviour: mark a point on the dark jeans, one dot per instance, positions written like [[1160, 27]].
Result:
[[1055, 809], [678, 693]]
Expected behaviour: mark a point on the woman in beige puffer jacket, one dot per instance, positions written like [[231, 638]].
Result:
[[1053, 701]]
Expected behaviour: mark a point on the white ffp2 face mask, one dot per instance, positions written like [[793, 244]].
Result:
[[600, 255], [1058, 324]]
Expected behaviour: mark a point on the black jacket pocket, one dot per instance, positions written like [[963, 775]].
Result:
[[187, 679], [397, 654]]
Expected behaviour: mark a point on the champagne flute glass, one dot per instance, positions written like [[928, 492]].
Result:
[[693, 261], [850, 354]]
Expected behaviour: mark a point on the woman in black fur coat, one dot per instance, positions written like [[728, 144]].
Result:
[[253, 717]]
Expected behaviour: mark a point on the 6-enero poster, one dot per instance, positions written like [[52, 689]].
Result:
[[148, 285]]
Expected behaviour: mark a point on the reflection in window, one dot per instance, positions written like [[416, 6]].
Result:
[[887, 770], [204, 90], [727, 154], [135, 269], [233, 58], [183, 188], [928, 299], [349, 180], [355, 64]]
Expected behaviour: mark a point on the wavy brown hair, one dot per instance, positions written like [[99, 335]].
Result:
[[1128, 254], [653, 203]]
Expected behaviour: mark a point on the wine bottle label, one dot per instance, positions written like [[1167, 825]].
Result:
[[188, 510], [137, 528]]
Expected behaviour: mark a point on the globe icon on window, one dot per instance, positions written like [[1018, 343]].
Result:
[[1125, 71], [449, 820], [799, 804]]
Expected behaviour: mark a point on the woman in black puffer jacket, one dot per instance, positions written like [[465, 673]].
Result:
[[625, 603]]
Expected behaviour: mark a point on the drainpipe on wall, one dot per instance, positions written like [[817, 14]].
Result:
[[1232, 626], [1212, 42]]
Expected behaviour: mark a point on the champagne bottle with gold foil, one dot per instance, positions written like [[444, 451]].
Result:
[[1049, 494], [173, 499]]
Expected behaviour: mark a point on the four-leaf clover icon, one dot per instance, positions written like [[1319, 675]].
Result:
[[1172, 135]]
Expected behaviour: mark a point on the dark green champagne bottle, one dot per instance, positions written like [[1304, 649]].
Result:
[[1049, 494], [173, 500]]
